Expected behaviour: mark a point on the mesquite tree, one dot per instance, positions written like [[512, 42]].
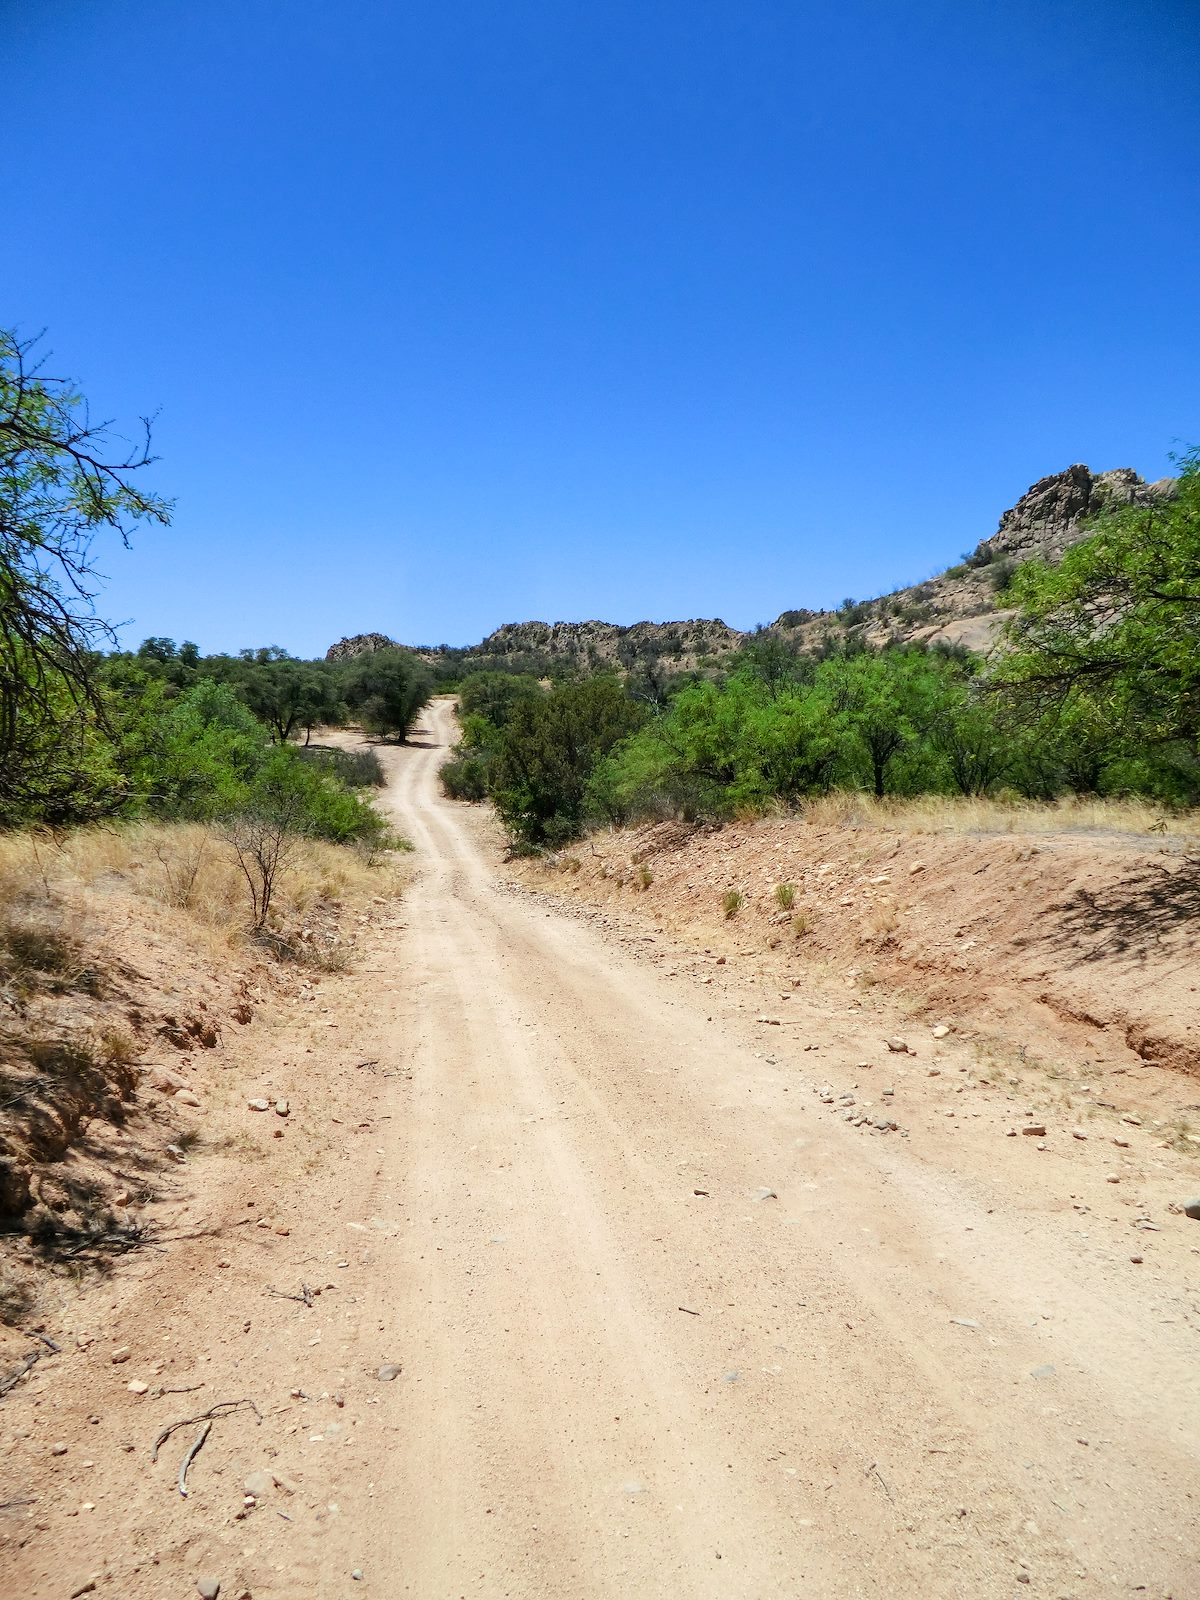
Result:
[[63, 479]]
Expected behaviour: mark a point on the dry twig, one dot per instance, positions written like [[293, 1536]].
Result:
[[223, 1408], [197, 1443], [304, 1298], [13, 1378]]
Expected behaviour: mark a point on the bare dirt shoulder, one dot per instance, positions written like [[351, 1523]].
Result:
[[1073, 950], [224, 1270]]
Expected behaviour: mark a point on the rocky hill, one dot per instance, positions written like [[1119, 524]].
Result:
[[522, 645], [596, 644], [958, 606], [360, 644]]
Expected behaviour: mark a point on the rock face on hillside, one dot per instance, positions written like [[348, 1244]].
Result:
[[958, 607], [1046, 518], [595, 644], [360, 644]]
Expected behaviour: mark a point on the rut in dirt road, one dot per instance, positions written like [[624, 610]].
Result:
[[671, 1330]]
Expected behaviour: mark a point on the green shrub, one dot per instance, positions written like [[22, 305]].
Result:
[[312, 801], [357, 769], [204, 756], [491, 696], [465, 777], [549, 751], [1000, 574]]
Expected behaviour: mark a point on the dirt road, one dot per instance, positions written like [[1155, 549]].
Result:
[[667, 1324], [623, 1386]]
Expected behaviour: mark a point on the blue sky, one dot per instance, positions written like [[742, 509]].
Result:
[[461, 313]]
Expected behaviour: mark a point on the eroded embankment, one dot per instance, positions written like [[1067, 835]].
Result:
[[1053, 942], [128, 990]]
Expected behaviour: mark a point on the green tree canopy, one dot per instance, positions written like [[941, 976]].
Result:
[[550, 749], [61, 482], [386, 690], [888, 701], [1116, 622], [489, 698], [287, 694]]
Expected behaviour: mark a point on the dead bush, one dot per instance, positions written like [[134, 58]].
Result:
[[263, 845], [181, 864]]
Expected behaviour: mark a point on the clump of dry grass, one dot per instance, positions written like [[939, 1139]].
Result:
[[958, 814], [882, 922], [39, 952], [76, 1080], [732, 902], [116, 1047]]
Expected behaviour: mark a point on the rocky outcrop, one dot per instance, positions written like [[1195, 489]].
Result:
[[961, 606], [359, 644], [595, 644], [1047, 517]]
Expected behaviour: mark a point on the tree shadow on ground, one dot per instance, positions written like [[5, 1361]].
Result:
[[1127, 921]]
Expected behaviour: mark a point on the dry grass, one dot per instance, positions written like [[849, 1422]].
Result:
[[111, 938], [39, 951], [952, 814], [732, 902], [186, 866], [17, 1297], [882, 922]]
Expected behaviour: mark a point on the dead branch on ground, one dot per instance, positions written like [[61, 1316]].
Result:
[[193, 1452], [223, 1408], [12, 1379], [304, 1298]]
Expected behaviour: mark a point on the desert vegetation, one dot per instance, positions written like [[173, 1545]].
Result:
[[88, 732], [159, 809], [1095, 697], [122, 942]]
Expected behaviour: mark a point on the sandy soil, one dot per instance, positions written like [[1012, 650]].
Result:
[[1072, 948], [669, 1319]]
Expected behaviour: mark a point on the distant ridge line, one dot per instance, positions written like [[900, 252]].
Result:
[[957, 607]]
